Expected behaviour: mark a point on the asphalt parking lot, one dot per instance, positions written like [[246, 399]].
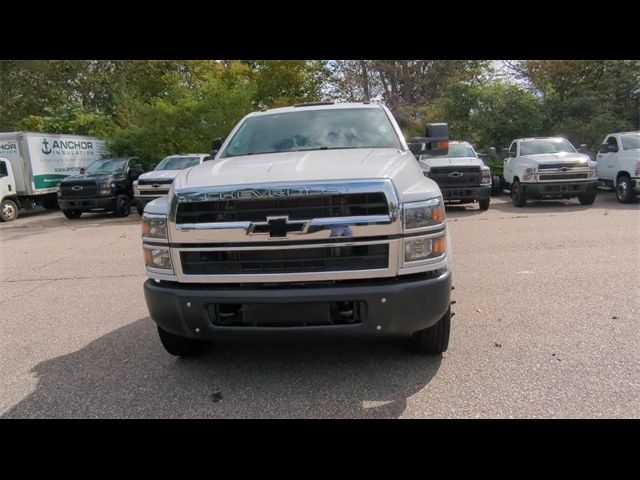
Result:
[[547, 325]]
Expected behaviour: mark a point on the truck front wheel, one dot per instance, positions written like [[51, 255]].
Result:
[[8, 211], [179, 346], [587, 198], [72, 214], [123, 206], [518, 197], [435, 339], [484, 204], [624, 190]]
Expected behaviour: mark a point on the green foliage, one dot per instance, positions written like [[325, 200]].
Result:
[[185, 121], [69, 120], [155, 107]]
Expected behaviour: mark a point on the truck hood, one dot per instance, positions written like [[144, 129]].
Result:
[[428, 163], [544, 158], [159, 175], [311, 166], [97, 177]]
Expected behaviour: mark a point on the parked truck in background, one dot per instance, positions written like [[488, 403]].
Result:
[[618, 162], [461, 175], [309, 218], [32, 165], [156, 183], [548, 168], [106, 185]]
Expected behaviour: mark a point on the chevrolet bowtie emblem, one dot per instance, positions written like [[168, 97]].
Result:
[[276, 227], [456, 174]]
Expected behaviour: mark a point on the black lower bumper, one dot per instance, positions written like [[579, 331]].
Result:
[[88, 204], [392, 306], [559, 190], [466, 194]]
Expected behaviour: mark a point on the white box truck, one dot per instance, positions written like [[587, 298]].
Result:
[[32, 165]]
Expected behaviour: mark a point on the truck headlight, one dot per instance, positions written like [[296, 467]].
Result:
[[486, 177], [593, 171], [157, 257], [529, 174], [423, 214], [105, 189], [423, 248], [638, 169], [154, 227]]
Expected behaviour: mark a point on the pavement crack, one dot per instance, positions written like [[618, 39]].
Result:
[[28, 291]]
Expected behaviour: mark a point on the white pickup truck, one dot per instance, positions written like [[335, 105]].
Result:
[[461, 175], [157, 182], [548, 168], [310, 218], [619, 165]]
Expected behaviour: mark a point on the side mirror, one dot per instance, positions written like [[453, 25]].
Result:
[[604, 148], [136, 171], [435, 141], [216, 143], [209, 157]]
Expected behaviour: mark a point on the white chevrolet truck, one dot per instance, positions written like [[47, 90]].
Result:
[[619, 165], [309, 218], [461, 175], [548, 168], [157, 182]]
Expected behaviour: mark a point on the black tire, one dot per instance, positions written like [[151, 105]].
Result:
[[587, 198], [179, 346], [123, 206], [496, 185], [8, 210], [435, 339], [624, 190], [484, 204], [518, 197], [72, 214]]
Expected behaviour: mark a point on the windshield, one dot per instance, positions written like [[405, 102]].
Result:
[[630, 142], [177, 163], [457, 150], [313, 130], [538, 147], [107, 166]]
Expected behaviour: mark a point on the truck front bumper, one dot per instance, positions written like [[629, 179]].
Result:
[[385, 306], [559, 189], [88, 204], [467, 194]]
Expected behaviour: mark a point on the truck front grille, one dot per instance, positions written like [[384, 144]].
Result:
[[553, 166], [163, 181], [294, 260], [456, 176], [300, 208], [79, 190], [564, 176]]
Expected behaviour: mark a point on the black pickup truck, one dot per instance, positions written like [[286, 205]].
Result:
[[106, 185]]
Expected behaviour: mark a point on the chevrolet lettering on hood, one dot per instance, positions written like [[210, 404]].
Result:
[[254, 193]]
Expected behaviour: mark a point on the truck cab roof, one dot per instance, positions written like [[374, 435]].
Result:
[[317, 106]]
